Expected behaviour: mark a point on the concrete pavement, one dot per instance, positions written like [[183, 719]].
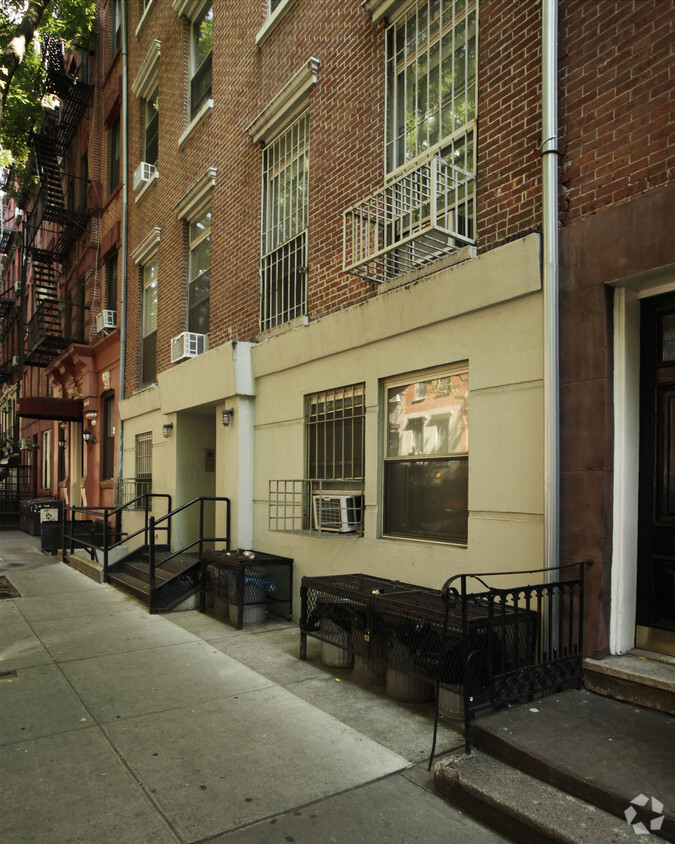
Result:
[[119, 726]]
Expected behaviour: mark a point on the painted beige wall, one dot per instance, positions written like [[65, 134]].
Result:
[[486, 310]]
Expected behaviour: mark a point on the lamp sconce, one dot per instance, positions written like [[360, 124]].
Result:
[[167, 430], [227, 417], [62, 438], [88, 437]]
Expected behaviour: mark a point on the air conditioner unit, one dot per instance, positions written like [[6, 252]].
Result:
[[338, 512], [25, 444], [144, 172], [15, 361], [187, 345], [106, 319]]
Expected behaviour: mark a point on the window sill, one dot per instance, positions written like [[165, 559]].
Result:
[[146, 185], [144, 17], [208, 105], [112, 196], [297, 322], [272, 21]]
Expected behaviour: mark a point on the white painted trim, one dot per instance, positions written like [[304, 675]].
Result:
[[287, 105], [190, 8], [146, 185], [147, 78], [147, 248], [626, 470], [272, 20], [383, 8], [144, 17], [196, 198], [208, 105]]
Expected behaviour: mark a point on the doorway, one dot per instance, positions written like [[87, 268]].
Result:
[[655, 608]]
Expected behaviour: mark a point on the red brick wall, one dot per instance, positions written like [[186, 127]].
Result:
[[616, 72], [614, 144]]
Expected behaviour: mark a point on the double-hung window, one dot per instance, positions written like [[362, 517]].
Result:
[[201, 40], [111, 283], [143, 465], [431, 83], [114, 155], [115, 25], [283, 293], [108, 436], [426, 456], [151, 128], [200, 274], [149, 324]]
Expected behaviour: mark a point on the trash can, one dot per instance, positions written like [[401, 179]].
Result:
[[30, 511]]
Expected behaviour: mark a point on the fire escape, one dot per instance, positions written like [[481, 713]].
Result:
[[55, 222]]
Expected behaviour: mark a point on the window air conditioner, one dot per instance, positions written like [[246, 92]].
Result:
[[338, 512], [106, 319], [187, 345], [25, 444], [144, 172], [15, 361]]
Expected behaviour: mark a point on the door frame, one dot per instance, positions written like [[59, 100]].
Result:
[[626, 382]]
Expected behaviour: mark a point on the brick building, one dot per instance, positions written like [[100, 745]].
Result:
[[332, 222]]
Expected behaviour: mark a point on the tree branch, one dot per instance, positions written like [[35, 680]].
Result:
[[14, 51]]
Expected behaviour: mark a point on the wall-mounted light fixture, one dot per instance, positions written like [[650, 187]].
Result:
[[88, 437], [227, 417], [167, 430], [62, 438]]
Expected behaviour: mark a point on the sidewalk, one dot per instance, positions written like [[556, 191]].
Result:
[[119, 726]]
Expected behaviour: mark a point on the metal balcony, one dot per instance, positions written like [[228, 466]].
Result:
[[52, 328], [423, 215]]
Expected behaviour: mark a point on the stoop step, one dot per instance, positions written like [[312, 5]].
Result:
[[523, 807], [646, 680]]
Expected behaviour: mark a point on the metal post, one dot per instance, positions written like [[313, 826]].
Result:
[[151, 597]]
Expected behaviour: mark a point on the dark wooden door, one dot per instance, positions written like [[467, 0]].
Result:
[[656, 533]]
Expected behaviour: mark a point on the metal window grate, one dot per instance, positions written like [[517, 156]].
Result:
[[418, 218], [334, 432], [144, 456], [284, 223], [316, 507], [430, 59]]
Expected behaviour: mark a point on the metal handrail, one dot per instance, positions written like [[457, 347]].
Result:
[[199, 541], [108, 513]]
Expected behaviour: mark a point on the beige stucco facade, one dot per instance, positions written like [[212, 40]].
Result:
[[485, 310]]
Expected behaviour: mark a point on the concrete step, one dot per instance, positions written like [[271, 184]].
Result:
[[647, 680], [601, 751], [523, 807]]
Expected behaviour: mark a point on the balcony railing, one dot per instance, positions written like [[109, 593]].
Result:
[[423, 215], [52, 328]]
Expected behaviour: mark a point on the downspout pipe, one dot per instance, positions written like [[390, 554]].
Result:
[[550, 281], [125, 237]]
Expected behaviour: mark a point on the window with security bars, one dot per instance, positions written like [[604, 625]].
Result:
[[143, 464], [283, 270], [431, 83], [334, 433]]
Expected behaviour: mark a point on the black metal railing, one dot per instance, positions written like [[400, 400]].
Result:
[[200, 541], [526, 640], [99, 530]]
